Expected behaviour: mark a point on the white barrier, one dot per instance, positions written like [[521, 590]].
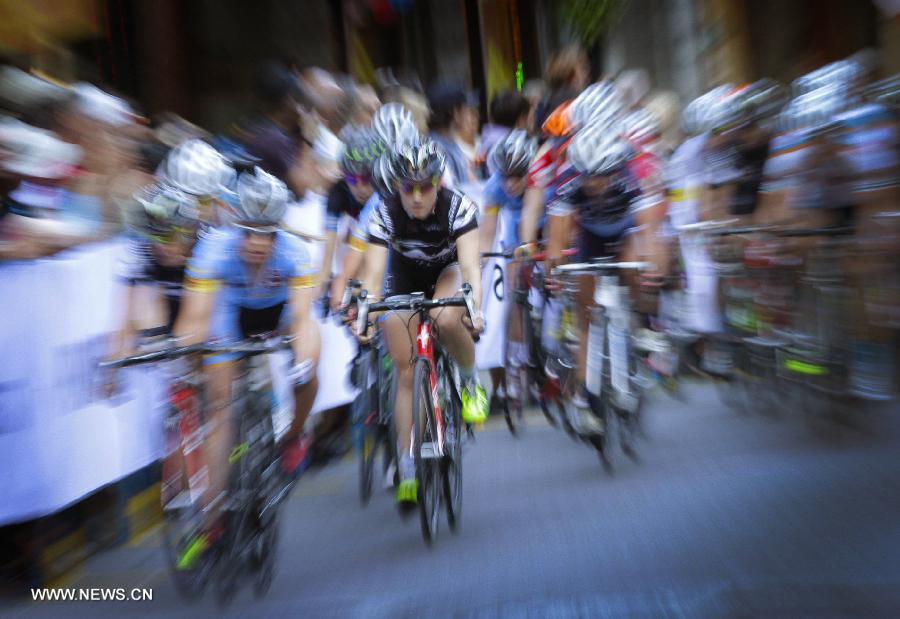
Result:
[[59, 439]]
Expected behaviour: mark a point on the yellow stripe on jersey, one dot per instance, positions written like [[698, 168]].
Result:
[[201, 285], [304, 281], [679, 195], [491, 210], [357, 244]]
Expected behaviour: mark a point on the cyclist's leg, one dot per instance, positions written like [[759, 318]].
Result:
[[398, 339], [219, 371], [583, 306], [219, 431], [589, 247], [459, 344], [304, 395]]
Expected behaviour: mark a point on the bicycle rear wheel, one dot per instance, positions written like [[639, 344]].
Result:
[[425, 454]]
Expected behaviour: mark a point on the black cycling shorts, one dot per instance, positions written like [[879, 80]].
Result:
[[260, 321], [406, 276]]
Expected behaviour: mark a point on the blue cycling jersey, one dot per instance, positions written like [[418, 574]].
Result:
[[510, 210], [217, 264]]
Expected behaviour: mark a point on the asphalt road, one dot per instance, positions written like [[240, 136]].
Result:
[[725, 516]]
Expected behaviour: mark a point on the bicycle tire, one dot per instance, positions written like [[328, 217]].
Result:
[[428, 473], [266, 472], [514, 375], [366, 401], [452, 469]]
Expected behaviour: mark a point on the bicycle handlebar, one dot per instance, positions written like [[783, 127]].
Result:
[[416, 304], [246, 348], [596, 267], [538, 257]]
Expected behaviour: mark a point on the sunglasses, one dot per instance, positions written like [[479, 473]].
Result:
[[173, 235], [358, 179], [408, 187]]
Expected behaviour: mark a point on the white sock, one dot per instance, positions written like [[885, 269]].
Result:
[[467, 375]]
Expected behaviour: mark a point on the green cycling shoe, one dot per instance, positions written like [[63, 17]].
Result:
[[408, 491], [474, 403]]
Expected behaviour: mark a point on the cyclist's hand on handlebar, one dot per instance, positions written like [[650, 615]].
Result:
[[526, 250], [475, 325], [364, 338], [552, 284]]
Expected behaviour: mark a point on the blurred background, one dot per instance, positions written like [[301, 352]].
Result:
[[94, 93]]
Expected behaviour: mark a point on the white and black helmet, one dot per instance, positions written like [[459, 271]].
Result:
[[163, 208], [395, 125], [695, 118], [416, 162], [261, 199], [599, 103], [196, 168], [512, 155], [813, 110], [599, 150], [640, 128]]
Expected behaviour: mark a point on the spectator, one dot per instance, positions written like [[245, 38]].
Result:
[[454, 126], [34, 167], [509, 110], [567, 75], [279, 134]]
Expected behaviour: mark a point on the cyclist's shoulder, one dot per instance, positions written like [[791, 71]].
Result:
[[493, 189], [288, 245], [214, 248]]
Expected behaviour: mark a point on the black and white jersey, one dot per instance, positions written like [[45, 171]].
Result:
[[139, 266], [426, 241]]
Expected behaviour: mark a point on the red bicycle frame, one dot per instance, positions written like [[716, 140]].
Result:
[[425, 350], [194, 468]]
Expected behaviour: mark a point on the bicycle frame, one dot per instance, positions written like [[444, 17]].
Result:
[[425, 350]]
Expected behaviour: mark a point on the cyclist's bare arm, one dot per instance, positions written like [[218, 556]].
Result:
[[124, 340], [304, 328], [354, 259], [372, 276], [558, 232], [532, 209], [192, 324], [470, 262], [487, 227], [328, 257]]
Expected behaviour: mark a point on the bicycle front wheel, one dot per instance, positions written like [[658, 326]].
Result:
[[452, 461], [184, 480], [425, 451]]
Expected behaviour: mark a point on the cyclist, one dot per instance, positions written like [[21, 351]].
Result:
[[267, 283], [362, 147], [426, 237], [601, 200], [165, 223], [509, 159], [598, 103], [394, 125]]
